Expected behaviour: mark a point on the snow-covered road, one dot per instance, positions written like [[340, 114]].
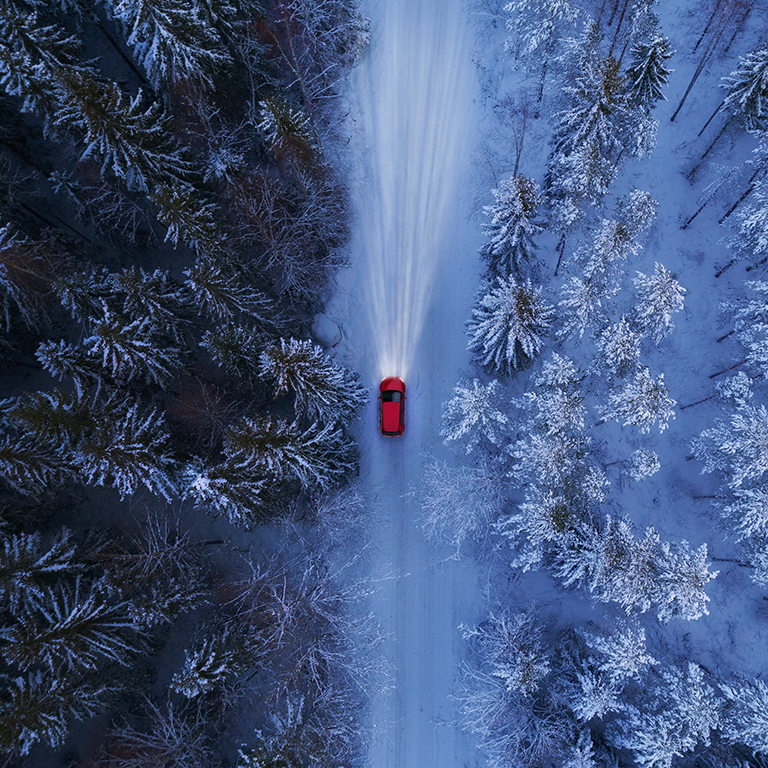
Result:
[[414, 271]]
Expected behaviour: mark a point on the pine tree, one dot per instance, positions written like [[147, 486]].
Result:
[[317, 458], [222, 294], [65, 361], [208, 666], [235, 349], [127, 139], [556, 405], [511, 643], [84, 291], [155, 296], [648, 75], [128, 351], [582, 754], [232, 488], [26, 569], [746, 713], [38, 706], [29, 466], [583, 174], [174, 41], [582, 301], [322, 389], [132, 450], [642, 403], [603, 261], [619, 346], [654, 739], [472, 416], [643, 464], [70, 628], [593, 694], [534, 23], [623, 653], [738, 447], [683, 574], [659, 297], [287, 131], [735, 390], [747, 514], [747, 89], [752, 237], [508, 325], [189, 219], [512, 228]]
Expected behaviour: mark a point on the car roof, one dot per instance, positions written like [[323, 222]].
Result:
[[390, 417]]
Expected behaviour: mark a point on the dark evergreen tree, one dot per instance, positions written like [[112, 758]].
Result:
[[648, 75]]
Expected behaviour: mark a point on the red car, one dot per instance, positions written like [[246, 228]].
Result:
[[392, 406]]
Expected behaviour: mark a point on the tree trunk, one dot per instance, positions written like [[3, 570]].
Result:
[[618, 27], [700, 68], [711, 146], [725, 335], [698, 402], [143, 80], [712, 116], [706, 26], [729, 368], [560, 250], [752, 184], [701, 208]]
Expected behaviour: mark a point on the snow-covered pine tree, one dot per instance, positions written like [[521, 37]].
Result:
[[235, 349], [747, 514], [473, 416], [513, 226], [637, 211], [751, 240], [582, 302], [123, 136], [32, 54], [511, 644], [582, 753], [619, 346], [745, 718], [84, 291], [26, 568], [209, 665], [642, 464], [232, 488], [29, 466], [128, 350], [735, 390], [67, 627], [155, 296], [747, 89], [556, 461], [322, 389], [536, 526], [622, 652], [129, 447], [641, 403], [189, 219], [65, 361], [682, 576], [739, 446], [647, 74], [659, 297], [592, 694], [175, 42], [508, 325], [534, 24], [603, 261], [37, 708], [287, 131], [222, 294], [655, 740], [318, 457], [583, 174]]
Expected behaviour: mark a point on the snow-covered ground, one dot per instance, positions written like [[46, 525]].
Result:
[[415, 114]]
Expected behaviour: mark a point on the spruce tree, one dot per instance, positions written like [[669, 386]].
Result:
[[474, 416], [648, 75], [747, 89], [508, 325], [659, 297], [512, 227], [641, 403], [321, 388]]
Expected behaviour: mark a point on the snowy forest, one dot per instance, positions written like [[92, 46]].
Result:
[[172, 209], [184, 527], [611, 431]]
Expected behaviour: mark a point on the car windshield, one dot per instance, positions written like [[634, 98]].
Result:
[[390, 396]]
